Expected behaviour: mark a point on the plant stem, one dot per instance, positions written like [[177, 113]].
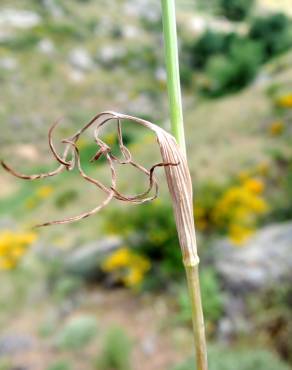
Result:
[[192, 273], [176, 115], [172, 66]]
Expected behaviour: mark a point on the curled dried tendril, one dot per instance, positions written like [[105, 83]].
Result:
[[70, 159]]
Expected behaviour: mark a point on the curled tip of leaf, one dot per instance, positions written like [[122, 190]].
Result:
[[174, 162], [102, 150]]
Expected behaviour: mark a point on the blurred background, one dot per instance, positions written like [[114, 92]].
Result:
[[108, 293]]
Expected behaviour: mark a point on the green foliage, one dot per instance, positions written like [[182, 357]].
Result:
[[60, 365], [61, 30], [271, 312], [227, 74], [231, 61], [21, 42], [209, 44], [186, 76], [47, 69], [281, 180], [273, 32], [58, 31], [77, 334], [142, 57], [236, 10], [157, 235], [66, 198], [66, 287], [211, 296], [46, 329], [14, 289], [227, 359], [5, 364], [116, 351]]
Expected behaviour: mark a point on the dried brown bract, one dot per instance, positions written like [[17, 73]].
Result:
[[173, 160]]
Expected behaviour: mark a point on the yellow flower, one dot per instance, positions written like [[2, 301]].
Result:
[[26, 238], [237, 210], [239, 234], [134, 277], [13, 246], [18, 252], [254, 185], [118, 259], [6, 264], [276, 128], [44, 191], [285, 101], [127, 266], [258, 205]]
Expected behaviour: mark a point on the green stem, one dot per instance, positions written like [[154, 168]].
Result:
[[176, 114], [172, 66]]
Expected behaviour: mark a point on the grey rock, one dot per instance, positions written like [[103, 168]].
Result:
[[53, 8], [149, 345], [16, 18], [85, 260], [265, 259], [160, 74], [110, 54], [16, 121], [46, 46], [147, 9], [76, 76], [80, 59], [16, 343], [225, 330], [131, 32], [143, 104], [8, 64]]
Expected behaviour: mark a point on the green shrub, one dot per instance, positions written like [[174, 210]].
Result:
[[281, 180], [5, 364], [227, 74], [273, 32], [116, 351], [206, 198], [66, 287], [66, 197], [211, 297], [61, 30], [270, 311], [209, 44], [231, 359], [236, 10], [47, 69], [157, 237], [60, 365], [77, 334], [47, 328], [21, 42], [186, 76]]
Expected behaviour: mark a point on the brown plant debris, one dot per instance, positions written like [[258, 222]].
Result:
[[71, 159]]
